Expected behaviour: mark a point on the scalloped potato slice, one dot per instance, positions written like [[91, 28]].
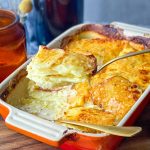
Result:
[[89, 35], [54, 68], [116, 95], [103, 49]]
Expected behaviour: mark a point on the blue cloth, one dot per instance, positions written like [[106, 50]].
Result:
[[36, 31]]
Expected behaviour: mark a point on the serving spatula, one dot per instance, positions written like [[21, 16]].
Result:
[[126, 131]]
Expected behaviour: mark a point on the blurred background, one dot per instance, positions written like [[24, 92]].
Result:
[[128, 11], [49, 18]]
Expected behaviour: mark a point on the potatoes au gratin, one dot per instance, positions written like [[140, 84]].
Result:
[[58, 84]]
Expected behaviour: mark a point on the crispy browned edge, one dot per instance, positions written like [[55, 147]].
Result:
[[109, 31], [140, 40]]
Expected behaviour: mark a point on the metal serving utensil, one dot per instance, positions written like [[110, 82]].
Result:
[[127, 131], [122, 57]]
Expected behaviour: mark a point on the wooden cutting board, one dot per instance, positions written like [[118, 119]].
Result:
[[11, 140]]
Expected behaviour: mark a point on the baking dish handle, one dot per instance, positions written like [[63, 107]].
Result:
[[35, 127]]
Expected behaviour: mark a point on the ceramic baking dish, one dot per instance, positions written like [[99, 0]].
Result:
[[60, 136]]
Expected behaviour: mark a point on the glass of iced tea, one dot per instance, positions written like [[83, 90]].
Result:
[[12, 43]]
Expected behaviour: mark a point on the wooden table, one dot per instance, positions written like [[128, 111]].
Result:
[[11, 140]]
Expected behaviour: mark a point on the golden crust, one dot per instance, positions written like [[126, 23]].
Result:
[[89, 35], [105, 30], [82, 94], [136, 69], [46, 56], [115, 95], [89, 115], [95, 31], [103, 49]]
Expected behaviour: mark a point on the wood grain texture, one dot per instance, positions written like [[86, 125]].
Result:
[[11, 140]]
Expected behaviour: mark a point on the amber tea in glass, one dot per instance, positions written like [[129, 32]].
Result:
[[12, 43]]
